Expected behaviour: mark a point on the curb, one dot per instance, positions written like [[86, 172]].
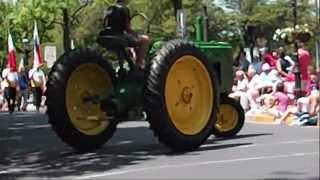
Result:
[[267, 119]]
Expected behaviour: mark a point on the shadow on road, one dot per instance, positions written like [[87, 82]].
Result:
[[29, 148], [241, 136]]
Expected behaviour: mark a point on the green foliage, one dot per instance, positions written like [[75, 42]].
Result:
[[159, 22]]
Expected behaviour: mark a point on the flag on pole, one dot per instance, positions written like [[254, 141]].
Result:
[[12, 58], [37, 56]]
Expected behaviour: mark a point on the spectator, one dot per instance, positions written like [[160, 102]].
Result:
[[312, 85], [309, 118], [307, 109], [289, 84], [240, 89], [267, 79], [241, 62], [275, 78], [269, 58], [24, 87], [253, 90], [276, 103], [281, 100], [304, 61], [38, 81], [256, 64], [284, 63], [288, 58]]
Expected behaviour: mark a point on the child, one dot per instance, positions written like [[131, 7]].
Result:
[[308, 107], [277, 102]]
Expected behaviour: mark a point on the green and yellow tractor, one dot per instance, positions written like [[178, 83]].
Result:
[[184, 92]]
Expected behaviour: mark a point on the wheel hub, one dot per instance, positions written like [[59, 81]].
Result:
[[227, 118], [187, 95]]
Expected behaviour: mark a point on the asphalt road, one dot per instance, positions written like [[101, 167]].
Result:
[[29, 149]]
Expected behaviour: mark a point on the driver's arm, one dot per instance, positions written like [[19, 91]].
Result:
[[128, 22], [128, 27]]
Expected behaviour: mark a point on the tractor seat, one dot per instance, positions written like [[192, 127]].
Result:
[[115, 42]]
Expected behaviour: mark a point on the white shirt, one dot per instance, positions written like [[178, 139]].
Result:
[[11, 78], [37, 77], [5, 73], [255, 82], [242, 85], [289, 59], [4, 84]]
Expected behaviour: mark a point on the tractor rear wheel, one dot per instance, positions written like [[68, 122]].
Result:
[[181, 96], [230, 119], [76, 78]]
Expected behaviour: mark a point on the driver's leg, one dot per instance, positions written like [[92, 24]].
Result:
[[144, 42]]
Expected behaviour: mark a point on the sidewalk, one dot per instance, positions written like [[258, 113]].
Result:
[[263, 118]]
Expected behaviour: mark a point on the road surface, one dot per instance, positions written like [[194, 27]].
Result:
[[30, 150]]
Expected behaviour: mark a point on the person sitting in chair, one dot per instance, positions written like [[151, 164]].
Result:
[[118, 20]]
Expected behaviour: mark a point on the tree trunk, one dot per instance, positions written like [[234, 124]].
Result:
[[66, 31]]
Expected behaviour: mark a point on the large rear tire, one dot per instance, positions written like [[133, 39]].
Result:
[[79, 123], [181, 97], [230, 119]]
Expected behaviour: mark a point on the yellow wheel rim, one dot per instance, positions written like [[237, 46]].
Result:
[[88, 80], [189, 95], [228, 118]]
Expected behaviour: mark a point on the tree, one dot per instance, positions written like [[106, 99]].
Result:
[[258, 18], [5, 8], [48, 14]]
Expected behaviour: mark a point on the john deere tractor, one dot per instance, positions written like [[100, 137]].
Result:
[[184, 92]]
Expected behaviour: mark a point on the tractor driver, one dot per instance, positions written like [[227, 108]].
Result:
[[118, 19]]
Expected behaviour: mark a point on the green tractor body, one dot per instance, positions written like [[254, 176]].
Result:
[[183, 92], [219, 56]]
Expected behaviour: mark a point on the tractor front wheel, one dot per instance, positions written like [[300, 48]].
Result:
[[230, 119]]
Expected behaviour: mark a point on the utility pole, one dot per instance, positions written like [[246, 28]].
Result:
[[297, 69]]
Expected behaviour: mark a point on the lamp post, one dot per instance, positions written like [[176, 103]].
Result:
[[297, 69], [26, 48]]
